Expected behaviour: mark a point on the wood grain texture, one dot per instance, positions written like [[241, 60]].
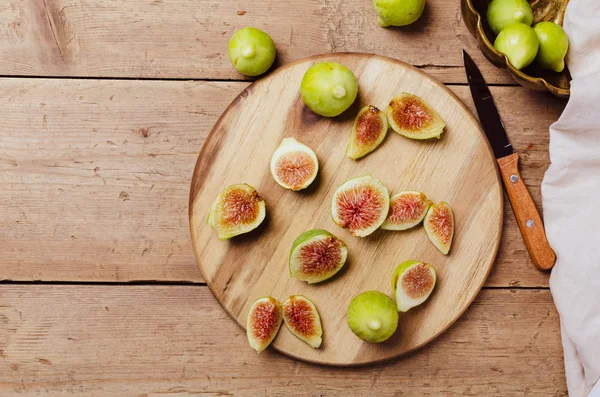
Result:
[[527, 216], [459, 168], [119, 155], [133, 341], [183, 39]]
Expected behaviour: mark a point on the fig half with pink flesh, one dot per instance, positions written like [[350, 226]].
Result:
[[238, 209], [368, 131], [263, 323], [439, 226], [407, 209], [411, 117], [294, 165], [316, 256], [360, 205], [412, 282], [303, 320]]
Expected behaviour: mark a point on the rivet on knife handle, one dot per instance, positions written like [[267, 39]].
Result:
[[527, 215]]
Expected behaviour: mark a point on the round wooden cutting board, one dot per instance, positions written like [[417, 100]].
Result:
[[459, 169]]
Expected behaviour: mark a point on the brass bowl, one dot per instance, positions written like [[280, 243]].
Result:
[[533, 76]]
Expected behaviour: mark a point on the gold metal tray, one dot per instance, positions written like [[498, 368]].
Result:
[[533, 76]]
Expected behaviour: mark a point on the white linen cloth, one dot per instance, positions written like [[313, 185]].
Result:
[[571, 200]]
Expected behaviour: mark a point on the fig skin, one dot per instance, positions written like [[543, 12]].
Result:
[[423, 279], [313, 237], [240, 197], [439, 226], [410, 116], [251, 51], [268, 310], [373, 316], [416, 206], [301, 165], [328, 88], [302, 318], [368, 132], [355, 197]]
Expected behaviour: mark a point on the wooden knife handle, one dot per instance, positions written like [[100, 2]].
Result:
[[527, 215]]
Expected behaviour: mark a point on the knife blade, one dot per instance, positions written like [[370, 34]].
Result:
[[527, 215]]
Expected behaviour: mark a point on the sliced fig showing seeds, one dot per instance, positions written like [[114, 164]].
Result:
[[407, 209], [411, 117], [360, 205], [294, 165], [412, 282], [238, 209], [303, 320], [439, 226], [263, 323], [317, 255], [368, 131]]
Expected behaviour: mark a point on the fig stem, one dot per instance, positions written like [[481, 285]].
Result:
[[339, 91], [248, 51], [374, 324]]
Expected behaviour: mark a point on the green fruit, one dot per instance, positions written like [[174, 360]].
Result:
[[501, 13], [554, 44], [519, 43], [263, 322], [368, 131], [439, 226], [360, 205], [407, 209], [398, 12], [302, 319], [294, 165], [411, 117], [317, 255], [251, 51], [373, 316], [238, 209], [412, 282], [328, 88]]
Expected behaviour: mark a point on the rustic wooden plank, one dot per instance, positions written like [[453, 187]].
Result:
[[188, 39], [94, 185], [176, 340]]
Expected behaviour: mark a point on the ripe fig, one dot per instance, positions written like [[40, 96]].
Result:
[[407, 209], [302, 319], [519, 43], [328, 88], [554, 44], [263, 323], [411, 117], [369, 129], [412, 282], [373, 316], [294, 165], [251, 51], [238, 209], [316, 256], [361, 205], [439, 226], [501, 13], [398, 12]]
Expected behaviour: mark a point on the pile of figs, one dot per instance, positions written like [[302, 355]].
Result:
[[361, 205]]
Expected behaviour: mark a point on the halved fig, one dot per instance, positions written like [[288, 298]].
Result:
[[368, 131], [316, 256], [302, 319], [360, 205], [439, 225], [412, 282], [263, 323], [407, 209], [238, 209], [410, 116], [294, 165]]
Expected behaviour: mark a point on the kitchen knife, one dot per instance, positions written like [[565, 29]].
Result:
[[527, 215]]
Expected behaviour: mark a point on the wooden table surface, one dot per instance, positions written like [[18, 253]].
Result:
[[104, 106]]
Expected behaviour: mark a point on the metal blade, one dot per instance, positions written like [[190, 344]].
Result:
[[486, 109]]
